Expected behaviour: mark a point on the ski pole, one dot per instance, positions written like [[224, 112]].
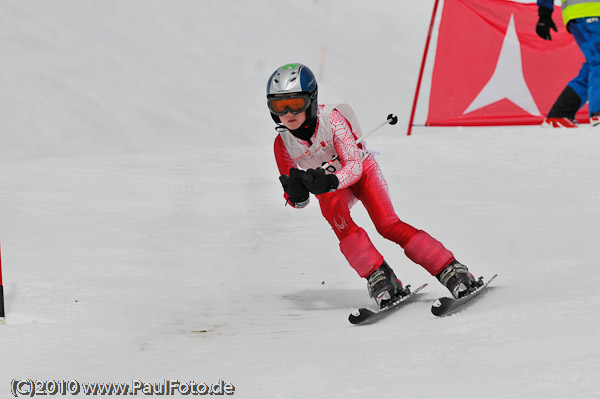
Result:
[[391, 119]]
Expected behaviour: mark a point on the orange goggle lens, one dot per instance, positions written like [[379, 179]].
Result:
[[295, 105]]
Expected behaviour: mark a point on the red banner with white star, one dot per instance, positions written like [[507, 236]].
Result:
[[491, 68]]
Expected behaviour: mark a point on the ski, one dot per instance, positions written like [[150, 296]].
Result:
[[366, 316], [446, 306]]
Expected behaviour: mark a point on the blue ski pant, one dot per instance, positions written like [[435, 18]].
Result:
[[586, 32]]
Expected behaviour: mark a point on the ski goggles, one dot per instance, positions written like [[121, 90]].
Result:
[[294, 104]]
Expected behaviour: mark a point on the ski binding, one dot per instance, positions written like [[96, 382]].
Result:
[[445, 306], [366, 316]]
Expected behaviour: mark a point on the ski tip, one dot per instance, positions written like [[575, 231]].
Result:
[[359, 315], [365, 316], [440, 306], [445, 306]]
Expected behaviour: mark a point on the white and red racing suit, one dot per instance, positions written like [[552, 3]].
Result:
[[360, 178]]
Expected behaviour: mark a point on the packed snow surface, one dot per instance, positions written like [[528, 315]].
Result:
[[144, 235]]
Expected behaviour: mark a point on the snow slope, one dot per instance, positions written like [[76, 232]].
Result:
[[144, 235]]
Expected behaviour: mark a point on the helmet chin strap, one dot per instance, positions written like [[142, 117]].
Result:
[[306, 131]]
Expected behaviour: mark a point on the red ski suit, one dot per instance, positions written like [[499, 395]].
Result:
[[360, 179]]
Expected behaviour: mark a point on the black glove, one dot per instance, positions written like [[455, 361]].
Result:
[[298, 193], [545, 23], [317, 182]]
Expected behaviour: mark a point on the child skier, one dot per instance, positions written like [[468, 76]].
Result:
[[322, 140]]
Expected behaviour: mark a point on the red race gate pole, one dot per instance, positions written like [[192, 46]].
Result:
[[1, 294], [414, 107]]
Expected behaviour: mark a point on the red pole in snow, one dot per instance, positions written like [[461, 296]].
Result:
[[1, 294], [414, 107]]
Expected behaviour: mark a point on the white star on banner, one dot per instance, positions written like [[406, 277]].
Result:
[[508, 80]]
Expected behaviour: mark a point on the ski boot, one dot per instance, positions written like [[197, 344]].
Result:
[[595, 119], [457, 279], [562, 122], [384, 287]]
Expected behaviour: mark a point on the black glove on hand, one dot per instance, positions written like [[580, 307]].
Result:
[[317, 182], [292, 185], [545, 23]]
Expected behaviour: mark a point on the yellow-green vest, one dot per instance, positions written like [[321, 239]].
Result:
[[572, 9]]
